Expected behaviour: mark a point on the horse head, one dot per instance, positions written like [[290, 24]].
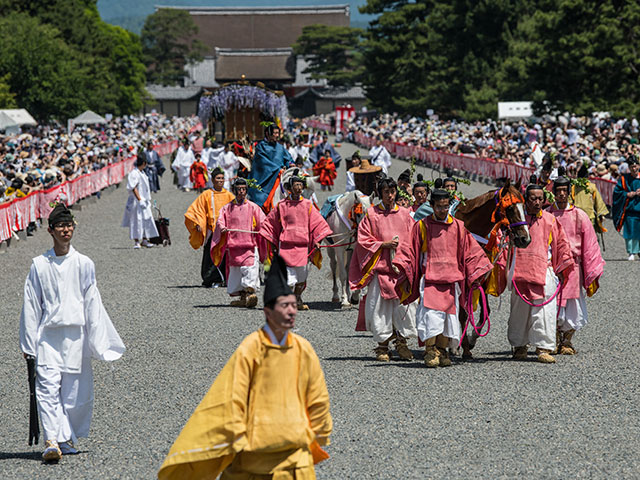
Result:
[[510, 204]]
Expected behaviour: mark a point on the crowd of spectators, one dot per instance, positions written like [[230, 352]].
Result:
[[600, 142], [45, 156]]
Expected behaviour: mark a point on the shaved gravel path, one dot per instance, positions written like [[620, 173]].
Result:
[[488, 418]]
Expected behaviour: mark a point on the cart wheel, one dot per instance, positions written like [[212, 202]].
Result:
[[165, 243]]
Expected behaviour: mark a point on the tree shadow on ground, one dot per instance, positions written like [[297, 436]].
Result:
[[32, 455]]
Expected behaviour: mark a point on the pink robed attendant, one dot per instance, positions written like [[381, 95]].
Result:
[[369, 258], [585, 249], [549, 247], [239, 246], [295, 227], [444, 253]]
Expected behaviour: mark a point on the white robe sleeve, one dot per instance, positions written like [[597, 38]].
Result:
[[103, 339], [31, 313], [133, 179]]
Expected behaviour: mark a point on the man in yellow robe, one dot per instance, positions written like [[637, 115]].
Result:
[[267, 413], [589, 200], [200, 220]]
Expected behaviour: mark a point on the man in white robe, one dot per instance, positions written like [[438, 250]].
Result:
[[62, 325], [211, 157], [137, 213], [380, 156], [182, 166], [229, 163]]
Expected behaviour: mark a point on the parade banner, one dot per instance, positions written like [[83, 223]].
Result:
[[17, 214], [487, 167]]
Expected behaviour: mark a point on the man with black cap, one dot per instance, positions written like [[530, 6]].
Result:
[[155, 168], [62, 325], [626, 207], [589, 266], [294, 228], [267, 413], [538, 272], [440, 261], [138, 216], [236, 239]]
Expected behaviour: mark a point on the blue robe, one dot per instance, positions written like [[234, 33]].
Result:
[[267, 162], [631, 210], [154, 169], [318, 152]]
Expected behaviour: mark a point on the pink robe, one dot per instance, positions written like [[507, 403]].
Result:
[[584, 246], [452, 256], [295, 227], [530, 272], [239, 246], [369, 258]]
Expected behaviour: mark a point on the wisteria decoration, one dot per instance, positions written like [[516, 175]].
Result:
[[242, 96]]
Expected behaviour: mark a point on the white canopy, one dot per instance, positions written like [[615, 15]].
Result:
[[88, 118], [14, 117]]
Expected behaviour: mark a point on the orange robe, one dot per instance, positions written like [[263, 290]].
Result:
[[204, 212], [326, 169]]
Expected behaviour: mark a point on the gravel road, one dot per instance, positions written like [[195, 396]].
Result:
[[488, 418]]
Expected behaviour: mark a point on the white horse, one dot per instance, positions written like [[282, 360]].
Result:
[[309, 191], [350, 208]]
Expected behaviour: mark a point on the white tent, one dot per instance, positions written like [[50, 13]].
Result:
[[88, 118], [15, 117]]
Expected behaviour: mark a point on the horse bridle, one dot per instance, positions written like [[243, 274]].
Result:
[[499, 215]]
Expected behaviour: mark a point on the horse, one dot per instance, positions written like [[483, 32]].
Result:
[[350, 208], [499, 209]]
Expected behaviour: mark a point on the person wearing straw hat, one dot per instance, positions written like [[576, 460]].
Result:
[[267, 413], [439, 263], [538, 274], [236, 238], [589, 266], [365, 176], [63, 325]]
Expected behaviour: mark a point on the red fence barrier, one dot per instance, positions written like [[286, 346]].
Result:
[[487, 167], [18, 213], [318, 125]]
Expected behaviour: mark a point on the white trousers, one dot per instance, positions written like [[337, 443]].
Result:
[[383, 316], [535, 326], [431, 323], [184, 180], [65, 402], [241, 278], [573, 316], [297, 275]]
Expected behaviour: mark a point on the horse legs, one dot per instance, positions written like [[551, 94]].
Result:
[[334, 273], [352, 295], [469, 341], [344, 276]]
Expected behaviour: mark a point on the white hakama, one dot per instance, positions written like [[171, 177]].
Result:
[[383, 316], [431, 323], [137, 213], [297, 275], [241, 278], [63, 324], [573, 316], [535, 326]]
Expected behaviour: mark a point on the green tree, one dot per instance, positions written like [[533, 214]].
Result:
[[44, 71], [110, 58], [7, 99], [333, 53], [578, 55], [168, 45], [437, 54]]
